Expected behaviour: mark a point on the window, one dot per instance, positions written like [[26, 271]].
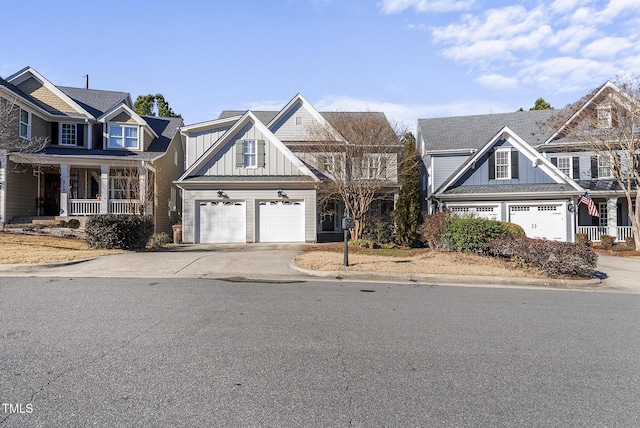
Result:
[[603, 219], [564, 165], [299, 121], [25, 124], [123, 137], [73, 186], [173, 199], [604, 167], [503, 164], [67, 134], [175, 157], [249, 153]]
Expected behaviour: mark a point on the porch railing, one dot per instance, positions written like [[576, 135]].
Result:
[[124, 206], [593, 232], [82, 207]]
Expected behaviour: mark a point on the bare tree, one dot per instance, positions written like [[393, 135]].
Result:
[[356, 155], [607, 123], [15, 135], [128, 188]]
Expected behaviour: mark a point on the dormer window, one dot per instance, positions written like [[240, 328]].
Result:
[[68, 133], [123, 137]]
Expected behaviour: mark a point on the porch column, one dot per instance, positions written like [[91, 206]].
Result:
[[612, 217], [142, 196], [104, 189], [64, 189]]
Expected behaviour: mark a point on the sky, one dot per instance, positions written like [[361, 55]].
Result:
[[407, 58]]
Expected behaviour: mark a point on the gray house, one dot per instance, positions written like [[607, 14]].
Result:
[[246, 181], [515, 167]]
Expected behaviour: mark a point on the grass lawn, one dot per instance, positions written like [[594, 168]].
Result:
[[24, 249]]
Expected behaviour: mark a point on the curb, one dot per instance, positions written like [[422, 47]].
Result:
[[426, 278], [26, 267]]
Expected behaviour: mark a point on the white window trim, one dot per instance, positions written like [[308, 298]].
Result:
[[604, 163], [508, 171], [28, 124], [570, 173], [123, 126], [75, 134], [603, 217], [253, 155]]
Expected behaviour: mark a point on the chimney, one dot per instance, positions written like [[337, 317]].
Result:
[[86, 81]]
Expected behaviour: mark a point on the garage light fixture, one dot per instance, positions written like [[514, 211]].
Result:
[[220, 193], [281, 193]]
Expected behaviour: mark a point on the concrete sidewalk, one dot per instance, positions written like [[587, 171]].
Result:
[[275, 262]]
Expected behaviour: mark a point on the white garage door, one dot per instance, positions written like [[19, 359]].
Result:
[[490, 212], [222, 222], [280, 221], [548, 221]]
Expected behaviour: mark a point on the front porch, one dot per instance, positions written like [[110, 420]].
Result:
[[612, 220]]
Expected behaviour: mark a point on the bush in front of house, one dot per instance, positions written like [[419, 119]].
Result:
[[552, 257], [126, 231], [158, 240], [606, 241], [471, 234], [630, 242], [433, 229], [582, 239], [380, 230], [74, 223]]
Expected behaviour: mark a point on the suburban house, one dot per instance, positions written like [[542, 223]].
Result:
[[250, 177], [518, 167], [100, 156]]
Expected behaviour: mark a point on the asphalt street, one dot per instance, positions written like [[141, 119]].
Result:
[[201, 352]]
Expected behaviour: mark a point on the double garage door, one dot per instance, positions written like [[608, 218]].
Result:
[[548, 221], [276, 221]]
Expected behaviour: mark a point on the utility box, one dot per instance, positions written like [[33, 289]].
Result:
[[348, 223]]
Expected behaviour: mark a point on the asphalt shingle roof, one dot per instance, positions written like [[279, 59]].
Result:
[[94, 101], [510, 188], [473, 132]]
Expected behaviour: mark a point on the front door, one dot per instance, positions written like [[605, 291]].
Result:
[[52, 194]]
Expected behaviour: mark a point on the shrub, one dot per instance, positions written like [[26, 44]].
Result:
[[472, 235], [127, 232], [606, 241], [74, 223], [380, 230], [433, 229], [157, 240], [630, 242], [513, 229], [582, 239], [552, 257]]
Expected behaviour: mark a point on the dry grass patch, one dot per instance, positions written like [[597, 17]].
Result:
[[421, 261], [26, 249]]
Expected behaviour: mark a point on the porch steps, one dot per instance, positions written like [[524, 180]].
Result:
[[41, 221]]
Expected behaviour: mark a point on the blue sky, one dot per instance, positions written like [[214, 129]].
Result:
[[408, 58]]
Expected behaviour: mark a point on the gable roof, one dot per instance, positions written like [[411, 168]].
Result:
[[473, 132], [245, 119], [95, 101], [523, 147]]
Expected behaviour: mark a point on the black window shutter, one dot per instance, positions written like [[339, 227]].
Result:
[[576, 168], [80, 135], [554, 161], [514, 164], [239, 154], [261, 157], [594, 166], [492, 166], [54, 133]]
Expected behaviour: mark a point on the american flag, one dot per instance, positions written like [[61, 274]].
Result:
[[591, 207]]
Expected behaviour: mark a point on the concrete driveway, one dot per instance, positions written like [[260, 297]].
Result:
[[255, 261]]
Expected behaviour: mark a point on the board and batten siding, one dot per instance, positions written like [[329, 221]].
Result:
[[197, 143], [287, 129], [223, 163], [251, 198]]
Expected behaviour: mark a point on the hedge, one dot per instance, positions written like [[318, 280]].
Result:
[[552, 257], [126, 231], [472, 235]]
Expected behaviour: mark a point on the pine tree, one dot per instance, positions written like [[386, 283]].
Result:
[[408, 213]]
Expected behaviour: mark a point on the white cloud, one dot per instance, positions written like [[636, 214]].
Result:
[[396, 6], [498, 81], [606, 47], [565, 74]]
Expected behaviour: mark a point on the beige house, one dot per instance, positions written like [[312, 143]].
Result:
[[100, 157]]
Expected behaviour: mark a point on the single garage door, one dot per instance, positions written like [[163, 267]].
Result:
[[548, 221], [280, 221], [222, 221]]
